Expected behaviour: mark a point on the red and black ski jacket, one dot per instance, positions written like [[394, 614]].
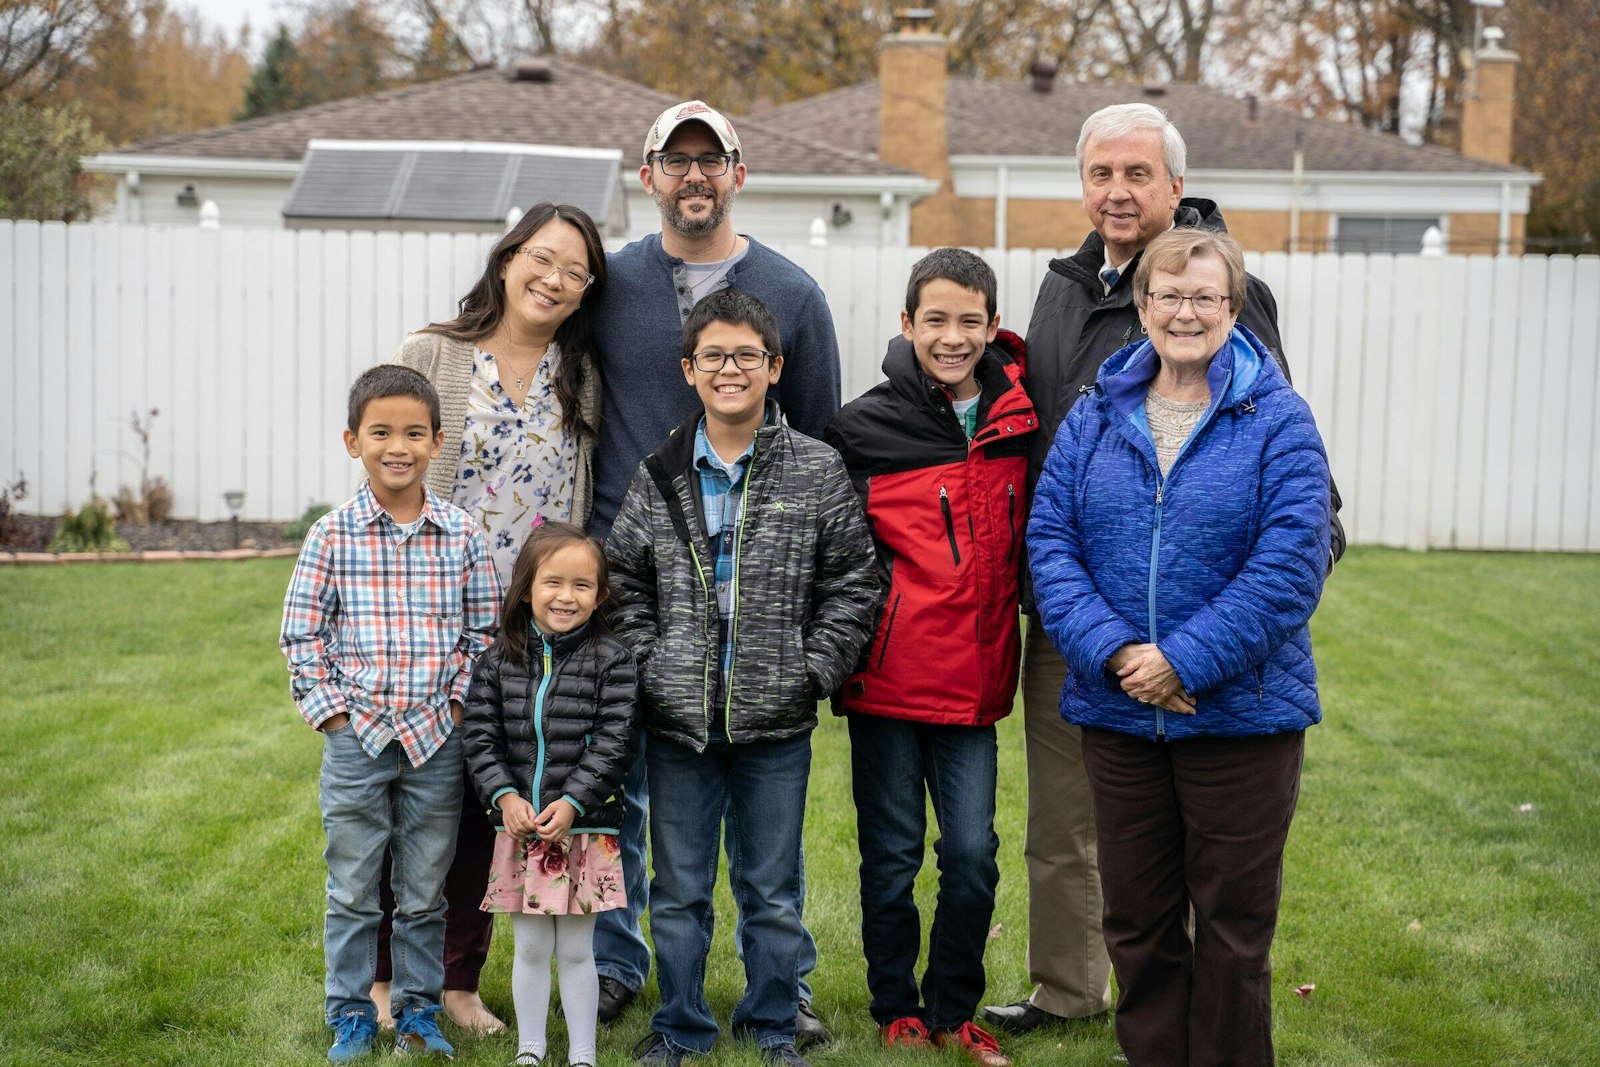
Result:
[[947, 518]]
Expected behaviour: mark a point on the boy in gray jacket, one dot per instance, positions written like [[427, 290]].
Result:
[[743, 580]]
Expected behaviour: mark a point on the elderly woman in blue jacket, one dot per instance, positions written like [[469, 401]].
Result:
[[1178, 543]]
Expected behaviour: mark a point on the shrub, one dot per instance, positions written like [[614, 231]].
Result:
[[8, 523], [153, 502], [90, 530], [297, 530]]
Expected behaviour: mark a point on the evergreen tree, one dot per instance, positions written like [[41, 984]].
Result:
[[272, 87]]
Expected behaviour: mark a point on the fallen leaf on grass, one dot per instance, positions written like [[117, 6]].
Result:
[[994, 931], [1526, 809], [1416, 924], [1305, 991]]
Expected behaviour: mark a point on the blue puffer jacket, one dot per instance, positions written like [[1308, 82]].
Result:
[[1220, 563]]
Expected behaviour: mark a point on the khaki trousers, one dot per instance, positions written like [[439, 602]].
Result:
[[1067, 961]]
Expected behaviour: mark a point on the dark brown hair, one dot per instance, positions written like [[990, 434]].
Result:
[[736, 309], [484, 306], [516, 614], [966, 269], [389, 379]]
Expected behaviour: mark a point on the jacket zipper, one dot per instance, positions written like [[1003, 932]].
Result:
[[538, 726], [949, 525], [733, 597], [1011, 518], [1155, 552]]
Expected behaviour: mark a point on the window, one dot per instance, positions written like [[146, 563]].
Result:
[[1388, 235]]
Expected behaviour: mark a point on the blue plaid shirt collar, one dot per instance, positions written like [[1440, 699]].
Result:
[[366, 510], [706, 458]]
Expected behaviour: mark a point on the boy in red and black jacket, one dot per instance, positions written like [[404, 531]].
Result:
[[939, 455]]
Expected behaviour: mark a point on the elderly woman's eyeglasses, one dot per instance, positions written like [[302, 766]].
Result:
[[676, 164], [543, 267], [1168, 302], [711, 360]]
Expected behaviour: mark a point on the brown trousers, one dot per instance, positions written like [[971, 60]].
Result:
[[1199, 822], [1067, 961]]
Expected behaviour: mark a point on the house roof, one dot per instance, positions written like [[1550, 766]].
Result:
[[1009, 118], [576, 107]]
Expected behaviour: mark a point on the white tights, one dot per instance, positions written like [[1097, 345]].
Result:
[[570, 939]]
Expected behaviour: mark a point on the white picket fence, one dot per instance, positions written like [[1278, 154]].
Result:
[[1457, 395]]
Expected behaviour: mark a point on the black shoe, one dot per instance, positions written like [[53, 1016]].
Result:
[[784, 1056], [654, 1050], [614, 1000], [1025, 1016], [809, 1031]]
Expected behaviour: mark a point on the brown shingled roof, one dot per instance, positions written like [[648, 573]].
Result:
[[1011, 119], [578, 107]]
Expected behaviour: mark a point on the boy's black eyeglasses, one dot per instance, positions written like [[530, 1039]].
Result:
[[676, 164], [712, 360]]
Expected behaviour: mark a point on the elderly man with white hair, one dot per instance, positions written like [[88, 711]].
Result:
[[1131, 159]]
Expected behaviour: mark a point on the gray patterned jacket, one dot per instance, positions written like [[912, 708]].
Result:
[[805, 588]]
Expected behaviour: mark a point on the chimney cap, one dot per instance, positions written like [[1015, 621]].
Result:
[[914, 19], [1043, 72], [1153, 89]]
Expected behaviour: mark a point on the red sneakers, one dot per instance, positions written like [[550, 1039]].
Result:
[[979, 1045], [907, 1032]]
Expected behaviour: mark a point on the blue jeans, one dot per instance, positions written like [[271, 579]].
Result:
[[892, 761], [620, 949], [762, 785], [369, 805]]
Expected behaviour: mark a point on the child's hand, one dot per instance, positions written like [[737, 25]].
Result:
[[457, 712], [554, 821], [519, 816], [334, 722]]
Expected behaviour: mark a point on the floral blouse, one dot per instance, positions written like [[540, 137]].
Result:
[[517, 464]]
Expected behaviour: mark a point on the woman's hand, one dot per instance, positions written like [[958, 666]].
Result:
[[1148, 678], [554, 821], [519, 816]]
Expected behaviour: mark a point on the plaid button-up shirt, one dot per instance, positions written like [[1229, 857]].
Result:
[[721, 497], [383, 621]]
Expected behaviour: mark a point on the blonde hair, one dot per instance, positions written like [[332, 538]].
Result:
[[1172, 251]]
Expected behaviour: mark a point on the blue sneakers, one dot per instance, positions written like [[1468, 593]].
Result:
[[416, 1033], [353, 1034]]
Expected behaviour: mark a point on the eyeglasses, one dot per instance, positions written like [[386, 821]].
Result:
[[676, 164], [712, 360], [543, 266], [1204, 304]]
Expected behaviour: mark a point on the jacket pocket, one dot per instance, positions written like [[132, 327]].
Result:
[[888, 631]]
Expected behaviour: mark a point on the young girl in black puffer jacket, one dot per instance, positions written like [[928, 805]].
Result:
[[549, 736]]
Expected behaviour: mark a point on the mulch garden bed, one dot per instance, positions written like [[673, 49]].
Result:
[[32, 533]]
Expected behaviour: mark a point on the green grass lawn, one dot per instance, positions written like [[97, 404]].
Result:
[[161, 873]]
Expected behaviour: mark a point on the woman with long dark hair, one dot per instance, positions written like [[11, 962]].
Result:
[[519, 395]]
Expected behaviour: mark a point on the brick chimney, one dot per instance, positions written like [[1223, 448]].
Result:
[[1489, 107], [911, 118]]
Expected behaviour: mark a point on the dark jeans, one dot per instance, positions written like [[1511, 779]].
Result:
[[762, 786], [1199, 822], [467, 929], [894, 765], [620, 949]]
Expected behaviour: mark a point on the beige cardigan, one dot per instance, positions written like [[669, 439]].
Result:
[[447, 363]]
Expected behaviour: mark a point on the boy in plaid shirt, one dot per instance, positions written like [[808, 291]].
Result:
[[393, 598]]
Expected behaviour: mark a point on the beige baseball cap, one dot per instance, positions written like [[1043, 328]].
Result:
[[689, 111]]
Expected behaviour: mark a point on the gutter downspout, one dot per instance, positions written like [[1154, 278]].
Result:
[[1002, 177], [1505, 217], [1294, 194]]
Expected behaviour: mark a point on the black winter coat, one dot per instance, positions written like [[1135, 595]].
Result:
[[1076, 325], [567, 718]]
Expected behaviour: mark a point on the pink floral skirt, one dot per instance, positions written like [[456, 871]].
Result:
[[580, 876]]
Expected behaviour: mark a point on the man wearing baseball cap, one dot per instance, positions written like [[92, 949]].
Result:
[[693, 168]]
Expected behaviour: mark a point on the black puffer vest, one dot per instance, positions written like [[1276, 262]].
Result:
[[565, 718]]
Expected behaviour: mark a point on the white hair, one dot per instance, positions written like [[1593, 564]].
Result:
[[1119, 120]]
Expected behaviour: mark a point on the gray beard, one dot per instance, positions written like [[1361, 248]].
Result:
[[672, 216]]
